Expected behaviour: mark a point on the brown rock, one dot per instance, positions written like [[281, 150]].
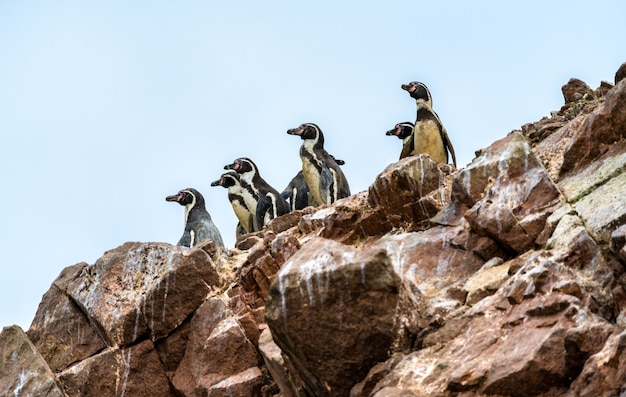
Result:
[[143, 288], [60, 331], [601, 133], [411, 190], [282, 374], [575, 90], [510, 193], [133, 371], [331, 311], [432, 260], [621, 73], [23, 371], [217, 349], [618, 242], [245, 383], [605, 371]]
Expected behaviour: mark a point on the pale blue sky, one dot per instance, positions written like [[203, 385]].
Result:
[[108, 107]]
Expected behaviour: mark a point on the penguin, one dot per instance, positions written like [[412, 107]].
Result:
[[231, 180], [321, 171], [269, 203], [404, 131], [297, 192], [429, 134], [198, 223]]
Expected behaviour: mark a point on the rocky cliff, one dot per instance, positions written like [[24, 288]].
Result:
[[503, 278]]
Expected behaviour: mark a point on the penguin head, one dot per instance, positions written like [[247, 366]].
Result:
[[419, 92], [402, 130], [228, 179], [243, 166], [190, 198], [308, 131]]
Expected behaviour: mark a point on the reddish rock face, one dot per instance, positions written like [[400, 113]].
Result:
[[60, 331], [602, 133], [23, 372], [411, 191], [131, 371], [509, 193], [331, 310], [140, 289]]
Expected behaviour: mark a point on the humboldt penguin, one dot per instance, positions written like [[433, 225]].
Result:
[[231, 180], [269, 203], [198, 223], [404, 131], [297, 192], [429, 134], [321, 171]]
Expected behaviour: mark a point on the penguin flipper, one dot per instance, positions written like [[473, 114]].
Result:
[[448, 145], [263, 207], [185, 240], [327, 186], [239, 230], [407, 148]]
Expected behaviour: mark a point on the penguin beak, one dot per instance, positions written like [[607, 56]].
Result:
[[217, 183], [230, 166], [392, 132], [172, 198], [295, 131], [408, 87]]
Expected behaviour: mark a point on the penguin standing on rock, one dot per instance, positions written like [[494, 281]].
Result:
[[321, 171], [297, 192], [231, 180], [404, 131], [429, 134], [269, 203], [198, 223]]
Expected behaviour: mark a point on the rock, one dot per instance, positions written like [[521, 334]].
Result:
[[486, 281], [60, 331], [575, 90], [217, 349], [23, 371], [331, 311], [277, 366], [140, 289], [618, 242], [246, 383], [601, 134], [603, 208], [133, 371], [411, 190], [509, 194], [621, 73], [605, 371]]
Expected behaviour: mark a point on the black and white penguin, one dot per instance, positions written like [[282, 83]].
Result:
[[297, 192], [429, 134], [404, 131], [321, 171], [269, 203], [231, 180], [198, 223]]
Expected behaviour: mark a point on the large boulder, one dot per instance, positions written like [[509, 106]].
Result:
[[23, 371], [143, 289], [60, 330], [332, 312]]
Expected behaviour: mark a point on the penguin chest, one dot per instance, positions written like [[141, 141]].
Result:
[[312, 176], [427, 139], [242, 214]]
